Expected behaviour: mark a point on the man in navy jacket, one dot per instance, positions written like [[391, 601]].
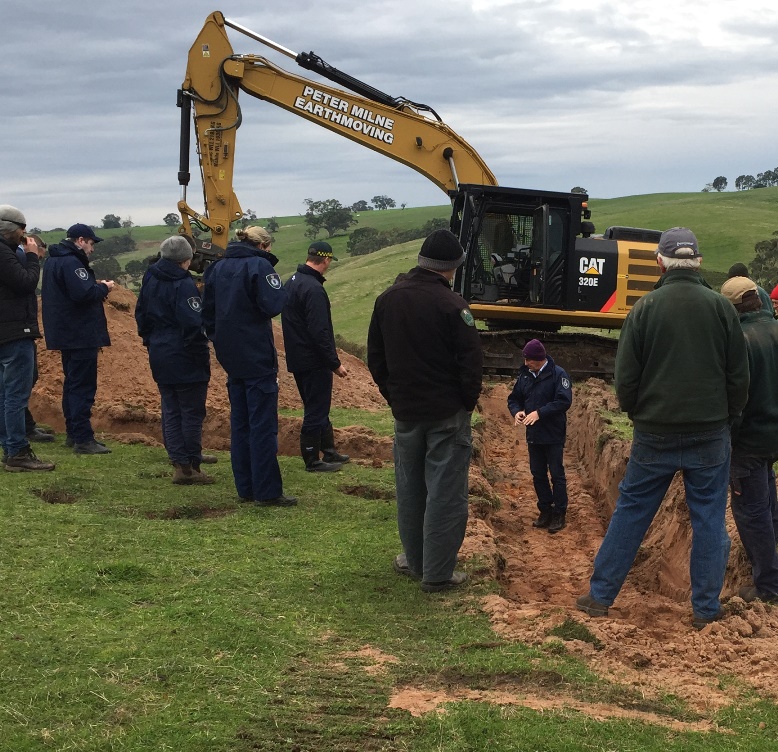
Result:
[[311, 356], [540, 400], [74, 323]]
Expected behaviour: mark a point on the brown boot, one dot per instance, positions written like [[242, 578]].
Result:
[[26, 461], [200, 478], [182, 475]]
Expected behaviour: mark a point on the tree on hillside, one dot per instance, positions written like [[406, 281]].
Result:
[[171, 220], [112, 222], [136, 267], [272, 225], [744, 182], [248, 217], [720, 183], [106, 268], [329, 215], [360, 206], [383, 202], [113, 246], [578, 189], [764, 267]]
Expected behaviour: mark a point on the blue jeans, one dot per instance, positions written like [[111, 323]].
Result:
[[183, 413], [431, 462], [753, 502], [704, 460], [254, 437], [17, 361], [545, 460]]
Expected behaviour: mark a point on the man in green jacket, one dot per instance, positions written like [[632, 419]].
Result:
[[755, 442], [682, 377]]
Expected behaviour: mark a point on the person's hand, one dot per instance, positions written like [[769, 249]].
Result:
[[531, 419], [31, 246], [519, 418], [109, 283], [341, 371]]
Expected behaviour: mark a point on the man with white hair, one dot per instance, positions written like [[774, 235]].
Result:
[[18, 331], [682, 377]]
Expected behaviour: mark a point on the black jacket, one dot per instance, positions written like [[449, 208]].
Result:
[[551, 394], [307, 323], [242, 294], [72, 299], [169, 317], [18, 303], [423, 349]]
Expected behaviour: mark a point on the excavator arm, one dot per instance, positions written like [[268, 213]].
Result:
[[402, 130]]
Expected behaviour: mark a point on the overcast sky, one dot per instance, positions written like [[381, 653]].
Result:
[[621, 98]]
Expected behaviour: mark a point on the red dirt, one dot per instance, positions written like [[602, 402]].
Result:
[[647, 640]]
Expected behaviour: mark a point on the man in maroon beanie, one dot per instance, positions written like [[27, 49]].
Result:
[[424, 353], [540, 399]]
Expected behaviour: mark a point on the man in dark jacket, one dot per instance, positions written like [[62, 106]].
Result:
[[74, 323], [682, 377], [169, 318], [755, 442], [242, 294], [424, 353], [18, 331], [311, 356], [540, 400]]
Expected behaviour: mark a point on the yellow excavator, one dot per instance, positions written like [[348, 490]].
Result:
[[533, 261]]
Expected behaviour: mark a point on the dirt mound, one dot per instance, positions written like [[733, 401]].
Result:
[[647, 639], [127, 403]]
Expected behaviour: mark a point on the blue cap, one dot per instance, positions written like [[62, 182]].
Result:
[[83, 231]]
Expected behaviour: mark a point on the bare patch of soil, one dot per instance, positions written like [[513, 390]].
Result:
[[190, 512], [54, 495], [367, 492]]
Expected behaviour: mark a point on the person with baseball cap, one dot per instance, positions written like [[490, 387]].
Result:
[[74, 323], [18, 332], [312, 358], [170, 323], [540, 399], [755, 443], [682, 378], [424, 353]]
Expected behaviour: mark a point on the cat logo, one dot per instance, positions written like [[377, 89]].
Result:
[[82, 273], [274, 281], [590, 265]]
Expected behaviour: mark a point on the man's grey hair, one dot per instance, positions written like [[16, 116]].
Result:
[[680, 263]]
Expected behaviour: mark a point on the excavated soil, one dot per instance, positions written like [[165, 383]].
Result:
[[646, 641]]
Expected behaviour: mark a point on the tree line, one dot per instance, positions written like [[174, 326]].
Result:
[[766, 179]]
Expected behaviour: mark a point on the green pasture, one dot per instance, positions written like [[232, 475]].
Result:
[[136, 616]]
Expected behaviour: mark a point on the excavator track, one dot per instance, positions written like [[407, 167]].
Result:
[[582, 355]]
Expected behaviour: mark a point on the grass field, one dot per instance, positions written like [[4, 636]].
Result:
[[138, 616]]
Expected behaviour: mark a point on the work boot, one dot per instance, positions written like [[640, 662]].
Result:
[[329, 454], [26, 461], [457, 579], [543, 520], [751, 593], [91, 447], [700, 622], [557, 521], [38, 434], [589, 606], [182, 474], [199, 477], [208, 459], [310, 445]]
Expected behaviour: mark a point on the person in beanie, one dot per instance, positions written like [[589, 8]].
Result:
[[682, 378], [540, 400], [312, 358], [424, 353], [74, 323], [169, 318], [18, 332], [741, 270], [242, 294], [755, 443]]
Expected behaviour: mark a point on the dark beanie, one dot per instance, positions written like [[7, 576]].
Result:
[[441, 252], [534, 350], [737, 270]]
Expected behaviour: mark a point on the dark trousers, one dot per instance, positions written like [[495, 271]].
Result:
[[752, 510], [183, 413], [254, 437], [315, 389], [545, 460], [78, 392]]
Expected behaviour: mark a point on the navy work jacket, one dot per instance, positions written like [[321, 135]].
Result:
[[309, 340], [551, 394], [72, 301], [170, 323], [241, 296]]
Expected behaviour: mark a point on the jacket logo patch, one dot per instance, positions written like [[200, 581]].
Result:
[[467, 317], [274, 281], [565, 383], [82, 273], [195, 304]]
